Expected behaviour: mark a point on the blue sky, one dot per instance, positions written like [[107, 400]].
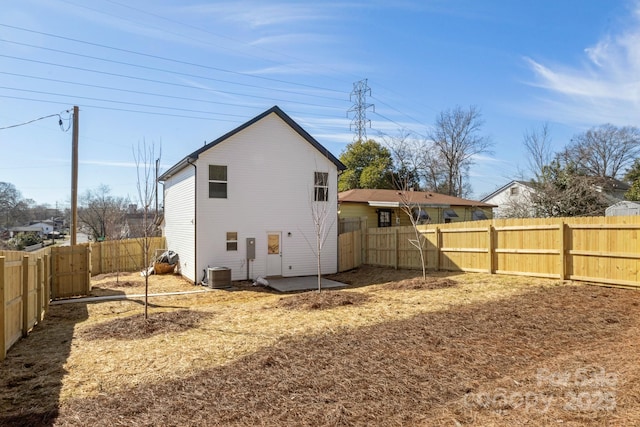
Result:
[[181, 72]]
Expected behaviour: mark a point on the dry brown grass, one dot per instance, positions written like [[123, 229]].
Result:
[[467, 349]]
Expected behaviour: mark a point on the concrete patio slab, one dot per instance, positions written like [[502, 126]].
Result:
[[304, 283]]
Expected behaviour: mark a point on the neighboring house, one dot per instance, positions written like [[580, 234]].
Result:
[[623, 208], [244, 201], [512, 200], [383, 208], [47, 226], [35, 229], [613, 189]]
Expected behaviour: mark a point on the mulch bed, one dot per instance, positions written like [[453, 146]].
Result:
[[324, 300], [493, 363], [137, 327]]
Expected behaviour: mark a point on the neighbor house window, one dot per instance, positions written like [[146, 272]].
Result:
[[421, 216], [232, 241], [384, 218], [321, 186], [448, 215], [217, 182], [479, 215], [514, 191]]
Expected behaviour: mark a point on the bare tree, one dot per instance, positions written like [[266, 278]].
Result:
[[320, 206], [102, 213], [13, 207], [457, 139], [411, 207], [145, 159], [417, 163], [605, 151], [537, 142]]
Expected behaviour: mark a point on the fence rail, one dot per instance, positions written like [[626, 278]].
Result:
[[595, 249]]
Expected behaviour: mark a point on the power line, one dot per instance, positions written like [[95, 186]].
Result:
[[145, 67], [177, 61], [160, 81], [155, 113], [60, 123], [135, 104], [137, 92]]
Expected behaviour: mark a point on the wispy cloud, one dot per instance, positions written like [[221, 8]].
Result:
[[604, 88], [108, 163]]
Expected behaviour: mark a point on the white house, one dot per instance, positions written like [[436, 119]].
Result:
[[245, 202], [512, 199]]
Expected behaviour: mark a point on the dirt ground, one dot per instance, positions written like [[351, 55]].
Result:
[[390, 349]]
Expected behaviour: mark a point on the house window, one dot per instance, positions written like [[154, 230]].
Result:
[[479, 215], [232, 241], [421, 216], [384, 218], [217, 182], [321, 186], [448, 215], [514, 191]]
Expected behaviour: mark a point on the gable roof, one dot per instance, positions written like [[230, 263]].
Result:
[[277, 111], [526, 184], [392, 198]]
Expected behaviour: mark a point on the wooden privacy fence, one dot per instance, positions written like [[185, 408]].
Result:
[[24, 294], [28, 281], [71, 271], [595, 249], [349, 250], [122, 255]]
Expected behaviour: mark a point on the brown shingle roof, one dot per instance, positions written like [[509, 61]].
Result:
[[421, 197]]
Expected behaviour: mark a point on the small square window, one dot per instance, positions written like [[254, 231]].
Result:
[[232, 241], [514, 191]]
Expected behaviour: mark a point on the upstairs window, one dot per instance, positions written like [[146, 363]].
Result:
[[514, 191], [217, 182], [321, 186]]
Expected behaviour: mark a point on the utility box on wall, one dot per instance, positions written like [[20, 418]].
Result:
[[251, 248]]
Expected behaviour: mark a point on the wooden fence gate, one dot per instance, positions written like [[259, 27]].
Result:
[[72, 271]]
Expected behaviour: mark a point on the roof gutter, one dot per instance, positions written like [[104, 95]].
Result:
[[195, 218]]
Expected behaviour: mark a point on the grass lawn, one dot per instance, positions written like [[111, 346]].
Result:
[[390, 349]]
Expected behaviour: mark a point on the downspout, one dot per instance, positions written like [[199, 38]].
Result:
[[195, 222]]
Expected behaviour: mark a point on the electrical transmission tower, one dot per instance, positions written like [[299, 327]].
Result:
[[359, 98]]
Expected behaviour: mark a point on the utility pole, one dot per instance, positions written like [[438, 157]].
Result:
[[359, 108], [156, 190], [74, 178]]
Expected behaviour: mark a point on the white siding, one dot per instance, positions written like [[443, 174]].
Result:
[[179, 219], [516, 196], [270, 172]]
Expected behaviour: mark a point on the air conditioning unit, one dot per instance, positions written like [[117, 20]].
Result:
[[219, 277]]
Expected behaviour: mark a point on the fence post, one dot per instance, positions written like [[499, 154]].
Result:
[[563, 250], [47, 281], [3, 349], [88, 277], [395, 248], [39, 288], [438, 245], [491, 248], [25, 295]]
